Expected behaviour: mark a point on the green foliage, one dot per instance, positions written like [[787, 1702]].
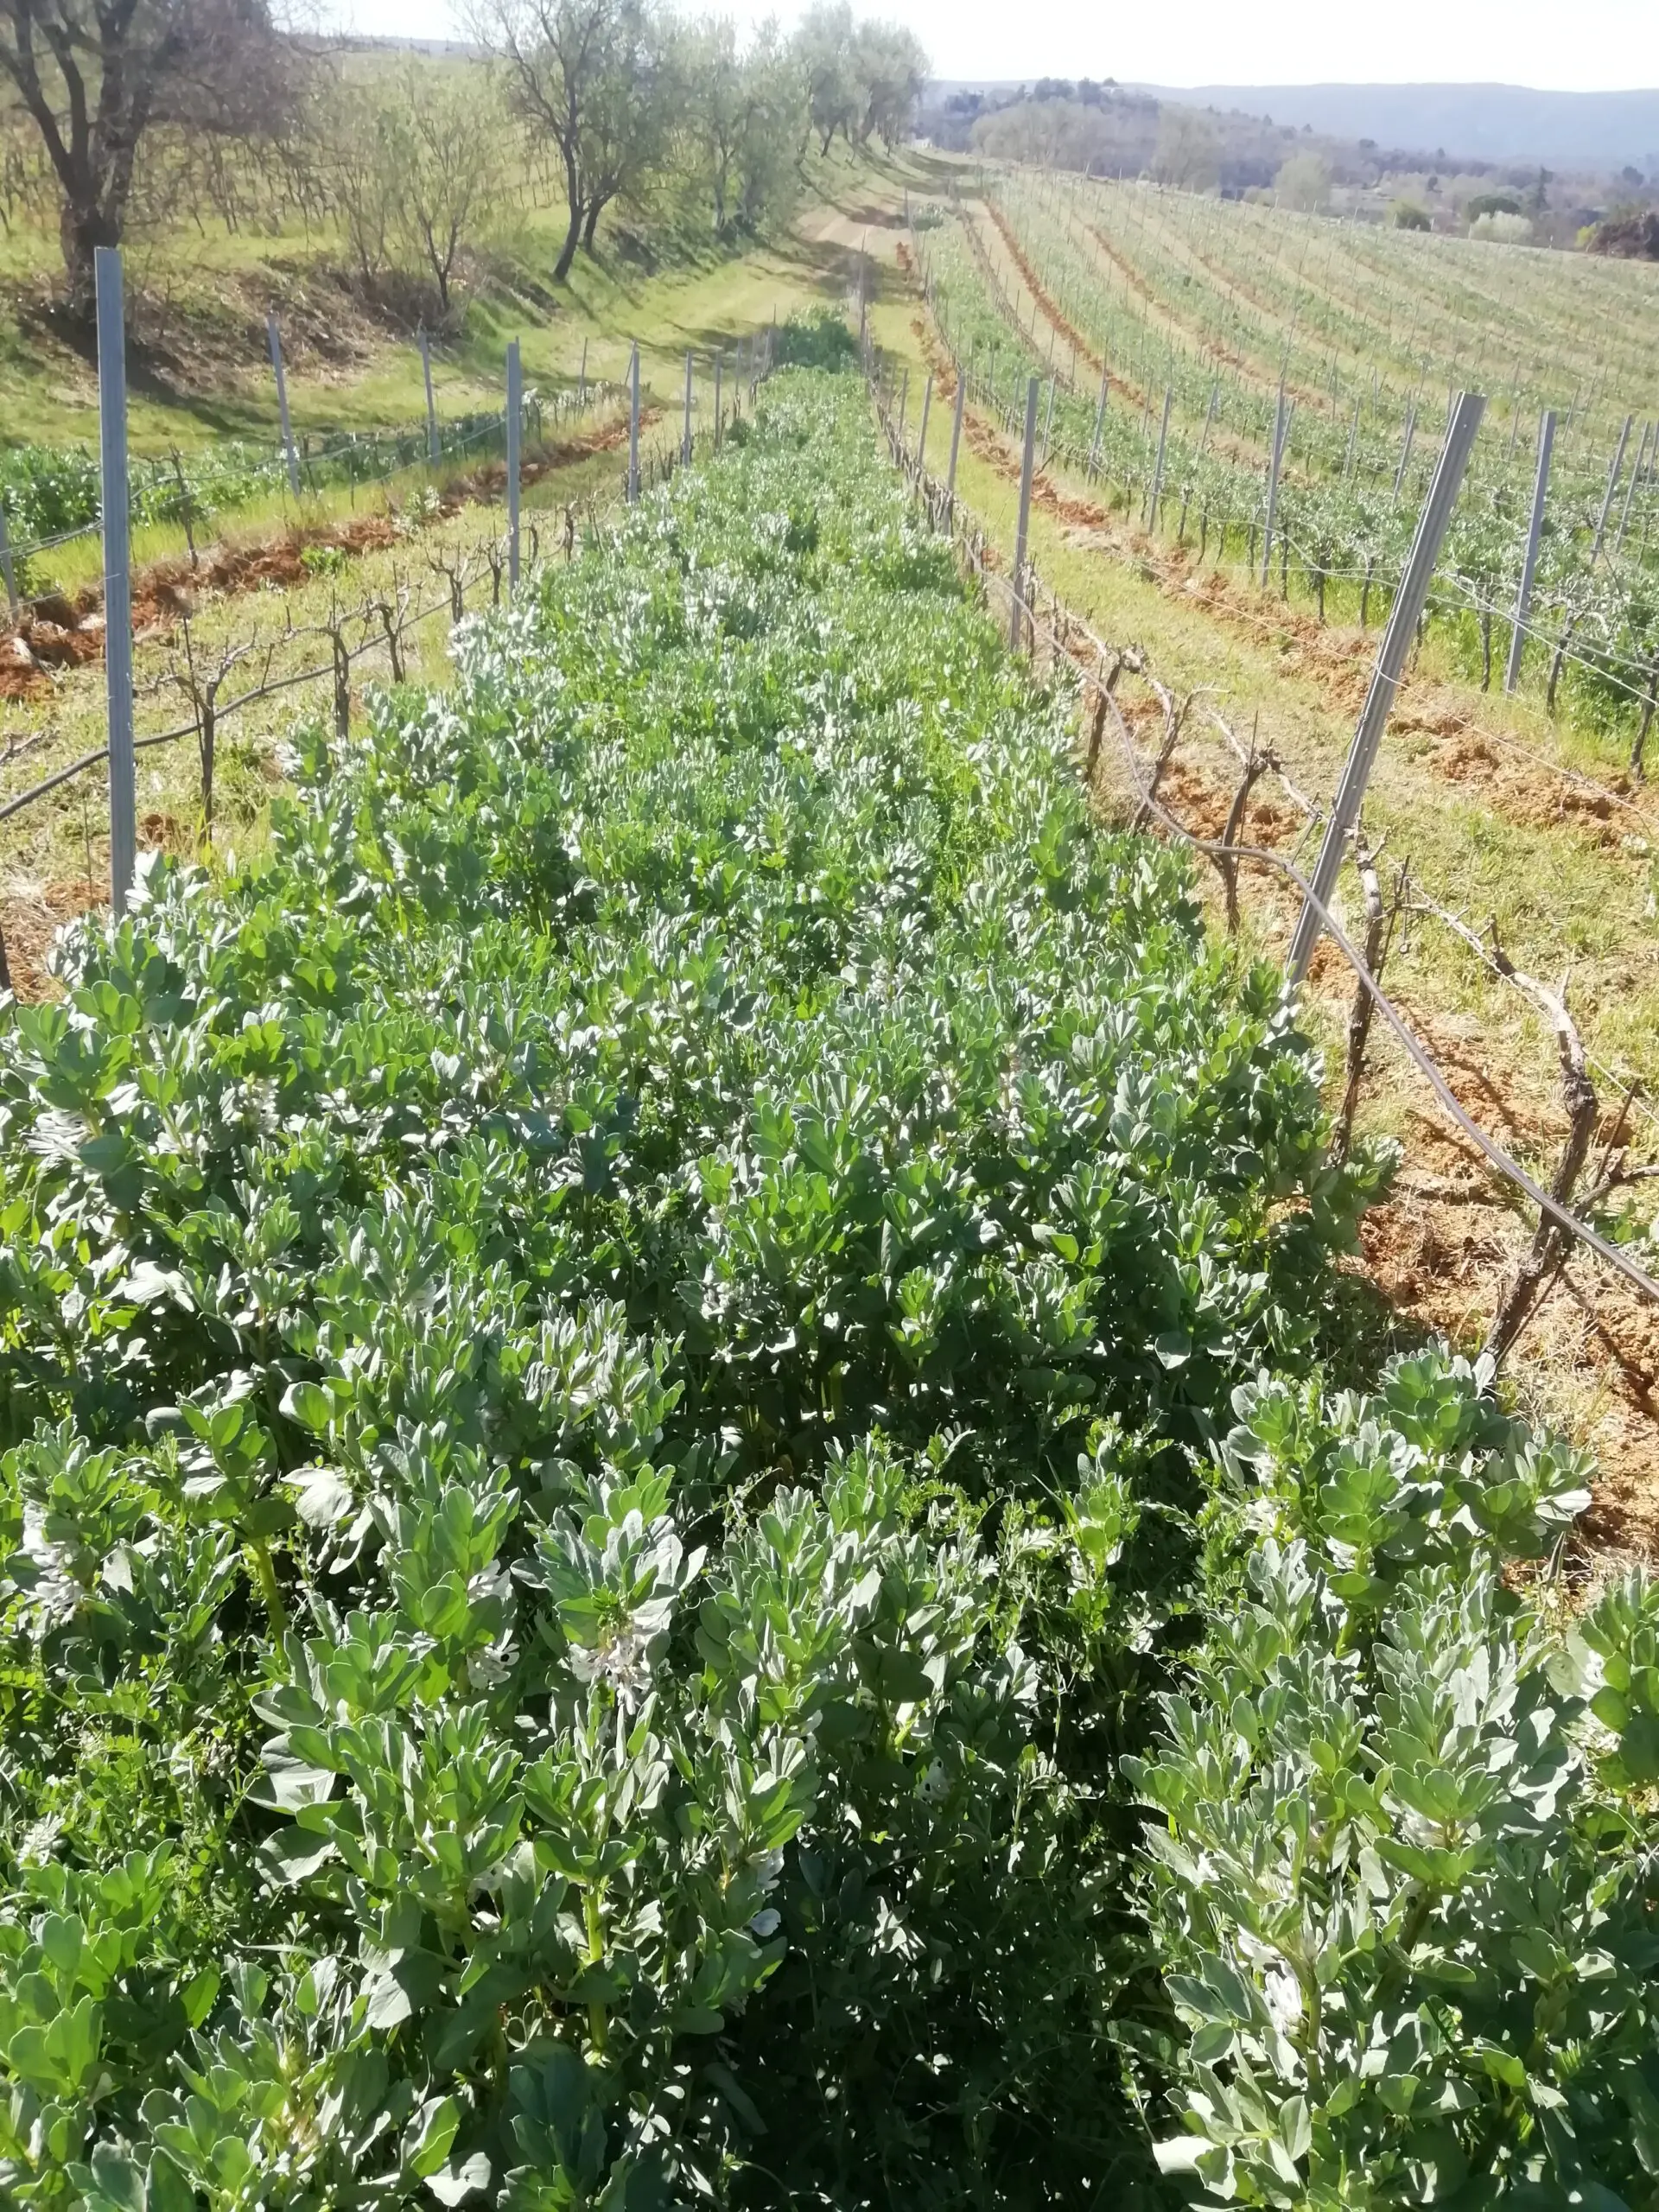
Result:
[[1407, 215], [609, 1360], [1409, 1928], [48, 490], [818, 339], [1492, 203], [1354, 472]]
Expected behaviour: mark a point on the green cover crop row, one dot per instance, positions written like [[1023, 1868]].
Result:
[[671, 1530], [49, 493]]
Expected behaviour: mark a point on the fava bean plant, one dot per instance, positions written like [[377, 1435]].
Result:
[[678, 1524], [54, 491]]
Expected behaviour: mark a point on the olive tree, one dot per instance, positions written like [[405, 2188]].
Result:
[[595, 77], [743, 109], [824, 49], [95, 78], [891, 70], [861, 80]]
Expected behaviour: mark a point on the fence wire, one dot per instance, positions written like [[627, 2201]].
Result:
[[948, 511]]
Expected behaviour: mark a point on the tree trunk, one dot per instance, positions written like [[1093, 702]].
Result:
[[82, 231], [572, 240], [595, 209]]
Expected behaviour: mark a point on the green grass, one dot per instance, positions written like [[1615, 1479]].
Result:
[[1570, 894], [216, 283]]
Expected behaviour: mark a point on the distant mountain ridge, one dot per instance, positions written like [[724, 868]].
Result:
[[1496, 122]]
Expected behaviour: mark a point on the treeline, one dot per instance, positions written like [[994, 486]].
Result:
[[119, 123], [1109, 131]]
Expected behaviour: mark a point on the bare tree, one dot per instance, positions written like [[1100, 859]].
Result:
[[453, 168], [1188, 153], [96, 76]]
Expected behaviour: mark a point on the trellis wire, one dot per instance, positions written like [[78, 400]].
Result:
[[1025, 615]]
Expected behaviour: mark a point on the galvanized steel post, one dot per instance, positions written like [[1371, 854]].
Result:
[[955, 441], [1016, 621], [1280, 424], [1408, 603], [515, 410], [1158, 470], [117, 574], [1630, 490], [1529, 562], [274, 340], [1405, 451], [431, 410], [1612, 486], [1100, 420], [634, 424]]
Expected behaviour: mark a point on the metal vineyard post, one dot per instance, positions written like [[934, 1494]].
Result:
[[1530, 563], [1016, 619], [1275, 459], [274, 340], [1408, 603], [118, 575], [515, 409], [1157, 468], [1612, 486], [1100, 418], [1405, 451], [1630, 490], [955, 441], [431, 410], [634, 424]]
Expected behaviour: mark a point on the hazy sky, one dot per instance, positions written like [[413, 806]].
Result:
[[1595, 45]]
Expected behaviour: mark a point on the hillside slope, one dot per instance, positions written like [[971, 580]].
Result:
[[1493, 122]]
